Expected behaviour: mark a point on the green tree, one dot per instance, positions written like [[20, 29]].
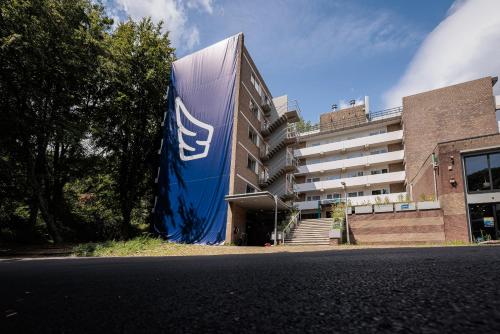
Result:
[[127, 122], [50, 55]]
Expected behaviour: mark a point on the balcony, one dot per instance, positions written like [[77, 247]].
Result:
[[312, 205], [366, 161], [351, 144], [350, 123], [359, 181]]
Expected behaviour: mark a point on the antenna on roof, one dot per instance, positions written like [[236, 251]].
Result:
[[352, 102], [334, 107]]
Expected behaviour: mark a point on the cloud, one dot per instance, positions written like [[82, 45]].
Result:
[[464, 46], [173, 13], [350, 31]]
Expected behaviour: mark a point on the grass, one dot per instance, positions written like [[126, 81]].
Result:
[[149, 246], [135, 247]]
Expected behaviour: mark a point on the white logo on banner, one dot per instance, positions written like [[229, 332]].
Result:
[[180, 107]]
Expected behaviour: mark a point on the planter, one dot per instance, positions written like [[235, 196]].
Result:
[[335, 234], [405, 206], [349, 210], [428, 205], [363, 209], [384, 208]]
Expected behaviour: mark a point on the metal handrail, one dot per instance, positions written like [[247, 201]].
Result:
[[345, 123], [294, 219]]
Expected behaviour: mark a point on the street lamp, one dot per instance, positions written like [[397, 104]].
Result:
[[345, 208]]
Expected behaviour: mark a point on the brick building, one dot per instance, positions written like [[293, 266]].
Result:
[[426, 171], [432, 151]]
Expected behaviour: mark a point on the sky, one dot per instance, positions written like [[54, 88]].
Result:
[[331, 51]]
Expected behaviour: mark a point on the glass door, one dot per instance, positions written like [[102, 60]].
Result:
[[483, 220]]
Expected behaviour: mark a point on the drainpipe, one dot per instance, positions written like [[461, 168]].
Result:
[[434, 168], [345, 207]]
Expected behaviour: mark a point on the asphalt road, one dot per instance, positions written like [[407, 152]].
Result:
[[423, 290]]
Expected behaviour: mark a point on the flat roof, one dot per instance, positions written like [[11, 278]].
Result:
[[262, 200]]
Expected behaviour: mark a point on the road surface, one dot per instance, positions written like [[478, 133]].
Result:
[[424, 290]]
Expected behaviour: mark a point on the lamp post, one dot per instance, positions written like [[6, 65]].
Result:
[[275, 220], [345, 209]]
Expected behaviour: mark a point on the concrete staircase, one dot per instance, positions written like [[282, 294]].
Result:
[[310, 232]]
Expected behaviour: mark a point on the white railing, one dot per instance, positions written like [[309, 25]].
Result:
[[294, 220], [386, 158], [371, 199], [358, 181], [351, 144]]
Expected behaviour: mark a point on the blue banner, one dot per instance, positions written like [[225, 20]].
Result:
[[196, 149]]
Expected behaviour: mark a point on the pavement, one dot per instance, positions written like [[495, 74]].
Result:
[[421, 290]]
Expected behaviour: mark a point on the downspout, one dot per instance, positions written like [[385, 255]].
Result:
[[434, 169]]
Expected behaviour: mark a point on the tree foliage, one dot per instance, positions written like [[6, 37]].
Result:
[[80, 112]]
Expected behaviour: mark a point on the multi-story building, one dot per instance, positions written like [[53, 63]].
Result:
[[263, 163], [353, 153], [227, 165], [441, 146], [235, 159]]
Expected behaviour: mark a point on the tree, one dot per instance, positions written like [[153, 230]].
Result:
[[50, 53], [127, 123]]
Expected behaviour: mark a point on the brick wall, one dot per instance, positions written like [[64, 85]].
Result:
[[354, 113], [398, 227], [454, 112], [451, 196]]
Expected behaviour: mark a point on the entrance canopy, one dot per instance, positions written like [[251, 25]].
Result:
[[262, 200]]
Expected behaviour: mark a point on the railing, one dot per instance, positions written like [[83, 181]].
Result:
[[290, 184], [351, 122], [294, 220], [277, 166]]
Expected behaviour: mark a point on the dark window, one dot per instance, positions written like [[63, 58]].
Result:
[[250, 189], [251, 164], [376, 192], [252, 136], [478, 176], [495, 170]]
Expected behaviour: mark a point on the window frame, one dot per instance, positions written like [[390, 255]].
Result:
[[464, 172]]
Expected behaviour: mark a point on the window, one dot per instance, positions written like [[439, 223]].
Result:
[[313, 179], [250, 189], [377, 132], [379, 151], [355, 155], [315, 144], [252, 164], [483, 172], [252, 135], [379, 171], [314, 161], [355, 174], [254, 109], [256, 84], [353, 194], [380, 192], [313, 198], [333, 177]]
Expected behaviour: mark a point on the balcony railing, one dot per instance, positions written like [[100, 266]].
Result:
[[287, 163], [351, 122], [351, 144], [358, 181], [365, 161], [361, 200]]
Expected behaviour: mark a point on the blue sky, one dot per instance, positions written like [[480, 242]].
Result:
[[330, 51]]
